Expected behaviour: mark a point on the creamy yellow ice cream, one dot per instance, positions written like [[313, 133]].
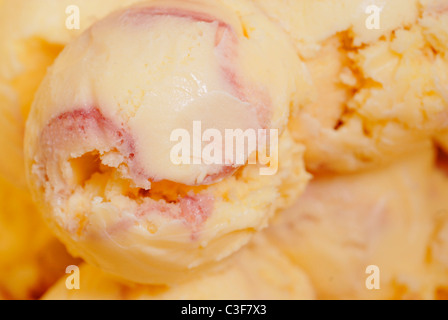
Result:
[[98, 136], [373, 94], [258, 271], [384, 217]]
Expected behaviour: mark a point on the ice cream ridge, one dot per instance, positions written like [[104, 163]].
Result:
[[98, 141]]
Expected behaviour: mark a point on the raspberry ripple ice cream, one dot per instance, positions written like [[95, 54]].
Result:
[[98, 143]]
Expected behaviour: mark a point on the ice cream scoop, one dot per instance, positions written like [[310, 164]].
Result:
[[258, 271], [345, 227], [99, 136], [438, 246], [377, 78]]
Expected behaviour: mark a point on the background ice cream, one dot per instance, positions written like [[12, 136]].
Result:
[[98, 136], [31, 259], [384, 217], [374, 94], [258, 271]]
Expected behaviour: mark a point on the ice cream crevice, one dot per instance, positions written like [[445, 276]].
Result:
[[90, 173], [96, 180], [84, 167], [442, 161]]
